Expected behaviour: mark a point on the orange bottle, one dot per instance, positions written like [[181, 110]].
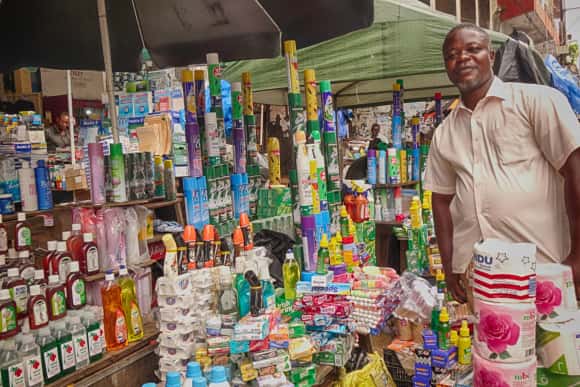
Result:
[[113, 316], [207, 234], [349, 203], [247, 231]]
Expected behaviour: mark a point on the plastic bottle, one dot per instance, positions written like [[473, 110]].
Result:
[[27, 187], [170, 190], [256, 301], [26, 266], [118, 173], [242, 287], [74, 244], [291, 274], [246, 227], [372, 167], [344, 221], [274, 161], [159, 177], [66, 348], [394, 172], [453, 338], [93, 328], [173, 379], [42, 181], [80, 342], [320, 170], [303, 173], [3, 238], [11, 366], [268, 292], [56, 298], [130, 306], [8, 322], [217, 377], [382, 164], [40, 280], [60, 261], [18, 291], [440, 281], [75, 287], [47, 259], [443, 332], [37, 308], [49, 353], [464, 344], [114, 318], [30, 354], [89, 258], [323, 255], [200, 381], [23, 234]]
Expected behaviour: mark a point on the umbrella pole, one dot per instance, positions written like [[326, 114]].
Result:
[[106, 44], [71, 120]]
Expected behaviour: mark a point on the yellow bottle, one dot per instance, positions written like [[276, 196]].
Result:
[[464, 345], [274, 161], [453, 338], [130, 306]]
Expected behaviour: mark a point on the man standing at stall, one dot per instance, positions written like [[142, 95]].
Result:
[[504, 164]]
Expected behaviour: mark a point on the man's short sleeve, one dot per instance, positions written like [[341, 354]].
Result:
[[439, 173], [555, 125]]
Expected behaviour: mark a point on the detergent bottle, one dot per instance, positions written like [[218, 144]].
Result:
[[291, 275], [113, 316], [11, 366], [56, 298], [130, 305]]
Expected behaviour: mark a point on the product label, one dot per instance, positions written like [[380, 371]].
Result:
[[3, 239], [67, 355], [19, 294], [51, 364], [16, 377], [120, 327], [33, 370], [94, 339], [81, 348], [92, 259], [7, 319], [58, 303], [40, 312], [79, 294], [63, 270], [135, 319], [24, 237]]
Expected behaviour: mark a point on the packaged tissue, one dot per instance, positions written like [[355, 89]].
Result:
[[557, 346]]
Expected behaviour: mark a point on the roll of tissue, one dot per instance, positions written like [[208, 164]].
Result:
[[557, 346], [505, 332], [503, 271], [555, 294], [487, 373]]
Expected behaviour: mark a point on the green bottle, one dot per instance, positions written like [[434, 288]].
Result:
[[118, 173], [49, 354], [291, 274], [323, 256], [443, 333], [344, 230]]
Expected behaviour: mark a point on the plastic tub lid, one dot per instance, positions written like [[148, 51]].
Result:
[[193, 370], [173, 379], [218, 374]]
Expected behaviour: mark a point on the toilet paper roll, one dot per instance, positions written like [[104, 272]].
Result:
[[487, 373], [503, 271], [505, 332], [555, 293], [558, 346]]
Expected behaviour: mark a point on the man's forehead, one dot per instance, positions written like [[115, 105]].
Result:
[[464, 37]]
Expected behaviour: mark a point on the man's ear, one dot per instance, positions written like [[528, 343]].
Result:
[[492, 55]]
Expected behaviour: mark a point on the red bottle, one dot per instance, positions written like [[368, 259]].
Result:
[[18, 289], [59, 263], [55, 295], [37, 308], [22, 234], [3, 238], [89, 258], [76, 294], [40, 280], [74, 244], [26, 266], [47, 259]]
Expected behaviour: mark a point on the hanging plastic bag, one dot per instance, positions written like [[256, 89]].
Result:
[[101, 239], [132, 236], [374, 374], [145, 230], [563, 80], [114, 219]]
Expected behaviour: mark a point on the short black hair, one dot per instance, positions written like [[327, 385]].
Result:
[[466, 26]]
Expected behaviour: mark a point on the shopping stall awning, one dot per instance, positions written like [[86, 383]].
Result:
[[403, 43], [64, 34]]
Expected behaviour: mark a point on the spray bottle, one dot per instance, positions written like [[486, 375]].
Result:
[[274, 161], [303, 172], [291, 274]]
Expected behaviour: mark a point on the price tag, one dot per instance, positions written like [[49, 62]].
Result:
[[48, 220], [319, 281]]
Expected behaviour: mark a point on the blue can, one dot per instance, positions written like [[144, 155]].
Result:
[[6, 204]]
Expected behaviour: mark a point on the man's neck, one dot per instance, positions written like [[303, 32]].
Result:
[[471, 98]]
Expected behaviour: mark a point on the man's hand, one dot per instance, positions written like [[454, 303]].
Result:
[[455, 286], [573, 260]]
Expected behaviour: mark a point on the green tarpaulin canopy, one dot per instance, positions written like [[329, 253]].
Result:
[[404, 42]]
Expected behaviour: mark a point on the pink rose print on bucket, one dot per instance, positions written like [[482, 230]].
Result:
[[488, 378], [498, 331], [548, 297]]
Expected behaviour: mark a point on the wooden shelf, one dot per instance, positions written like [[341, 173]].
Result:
[[101, 275], [387, 223], [406, 184], [149, 203], [110, 358]]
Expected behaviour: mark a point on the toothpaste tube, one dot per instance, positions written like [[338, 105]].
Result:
[[336, 309], [319, 320], [318, 299]]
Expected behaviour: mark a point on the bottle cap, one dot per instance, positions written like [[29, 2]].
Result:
[[109, 276], [66, 235], [173, 379], [443, 315], [440, 276], [51, 245], [24, 254], [212, 58], [343, 212], [236, 86], [193, 370], [438, 95], [61, 246], [464, 330], [4, 294], [73, 267], [76, 227], [324, 241], [12, 254], [315, 135], [53, 279], [324, 86], [34, 290], [13, 272], [199, 75], [87, 237], [218, 374], [41, 164], [21, 216], [39, 274], [123, 270]]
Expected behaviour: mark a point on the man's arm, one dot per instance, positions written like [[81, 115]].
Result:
[[444, 232], [571, 173]]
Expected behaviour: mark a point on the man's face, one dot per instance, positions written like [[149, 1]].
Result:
[[468, 60], [63, 122], [375, 130]]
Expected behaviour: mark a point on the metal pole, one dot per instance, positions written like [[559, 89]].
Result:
[[105, 43], [71, 119]]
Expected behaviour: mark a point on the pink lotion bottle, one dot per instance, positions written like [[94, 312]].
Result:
[[96, 162]]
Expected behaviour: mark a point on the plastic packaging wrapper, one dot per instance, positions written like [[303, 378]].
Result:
[[145, 232], [132, 236], [374, 374], [114, 219], [417, 298], [92, 221]]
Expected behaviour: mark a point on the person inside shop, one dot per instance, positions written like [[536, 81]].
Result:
[[375, 140], [504, 164], [58, 136]]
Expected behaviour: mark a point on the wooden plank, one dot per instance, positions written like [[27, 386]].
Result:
[[406, 184], [110, 358]]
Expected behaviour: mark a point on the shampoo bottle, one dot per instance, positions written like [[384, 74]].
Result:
[[27, 187], [130, 305], [43, 186]]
